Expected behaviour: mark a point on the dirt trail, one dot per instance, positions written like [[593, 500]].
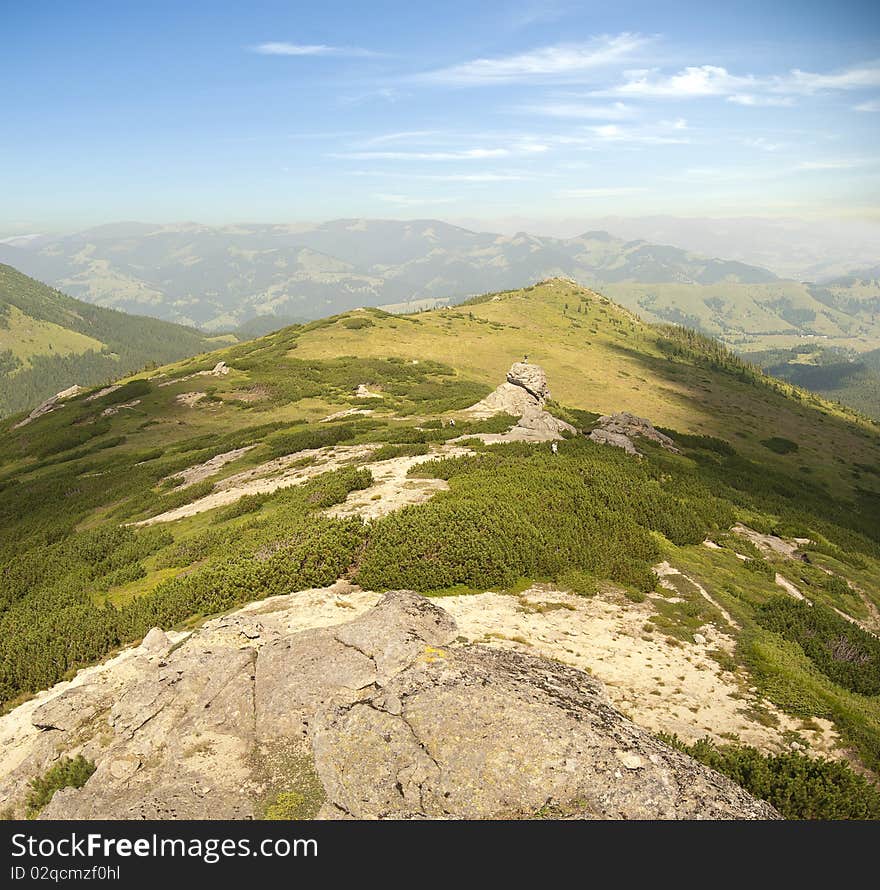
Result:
[[199, 472], [664, 569], [391, 488]]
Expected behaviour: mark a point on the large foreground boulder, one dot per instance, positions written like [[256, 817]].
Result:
[[383, 716]]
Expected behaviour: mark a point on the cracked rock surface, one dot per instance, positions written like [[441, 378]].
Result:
[[382, 716]]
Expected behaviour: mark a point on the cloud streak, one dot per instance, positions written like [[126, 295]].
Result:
[[562, 62], [698, 81], [281, 48]]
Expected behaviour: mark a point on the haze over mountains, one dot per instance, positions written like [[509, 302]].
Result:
[[218, 277]]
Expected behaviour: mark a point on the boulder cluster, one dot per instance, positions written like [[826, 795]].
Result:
[[620, 429]]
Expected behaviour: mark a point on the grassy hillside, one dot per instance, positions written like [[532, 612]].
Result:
[[749, 317], [49, 341], [79, 579]]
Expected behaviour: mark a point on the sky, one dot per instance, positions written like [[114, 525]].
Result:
[[228, 112]]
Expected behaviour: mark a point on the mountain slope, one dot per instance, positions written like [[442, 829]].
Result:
[[324, 454], [49, 341]]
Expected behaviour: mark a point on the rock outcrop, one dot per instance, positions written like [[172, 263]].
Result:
[[50, 404], [621, 428], [524, 395], [383, 716], [531, 378]]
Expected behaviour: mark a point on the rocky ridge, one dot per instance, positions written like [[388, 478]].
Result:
[[384, 716]]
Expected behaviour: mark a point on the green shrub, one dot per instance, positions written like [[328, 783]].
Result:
[[799, 787], [780, 445], [841, 650], [759, 566], [386, 452], [66, 773]]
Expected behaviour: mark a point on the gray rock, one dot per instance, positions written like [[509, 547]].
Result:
[[531, 378], [629, 426], [156, 641], [618, 440], [383, 716]]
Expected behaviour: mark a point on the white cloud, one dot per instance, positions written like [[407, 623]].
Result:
[[614, 111], [868, 106], [750, 99], [512, 176], [663, 134], [560, 62], [401, 136], [833, 164], [695, 81], [763, 144], [713, 80], [465, 154], [308, 49], [468, 154], [849, 79]]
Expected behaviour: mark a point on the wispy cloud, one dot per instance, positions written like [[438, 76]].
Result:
[[563, 62], [873, 106], [834, 164], [745, 89], [575, 110], [280, 48], [513, 176], [694, 81], [602, 192], [400, 136], [464, 154], [762, 144], [664, 133], [468, 154], [854, 78], [750, 99]]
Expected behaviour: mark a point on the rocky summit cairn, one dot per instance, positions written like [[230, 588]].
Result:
[[386, 716], [621, 428], [524, 395]]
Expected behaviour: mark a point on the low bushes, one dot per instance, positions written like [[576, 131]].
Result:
[[66, 773], [841, 650], [799, 787]]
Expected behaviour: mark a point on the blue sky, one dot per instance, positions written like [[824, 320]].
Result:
[[287, 111]]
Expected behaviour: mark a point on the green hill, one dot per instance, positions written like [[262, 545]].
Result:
[[49, 341], [212, 489]]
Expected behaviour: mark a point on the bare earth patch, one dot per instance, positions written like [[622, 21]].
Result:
[[199, 472], [391, 489], [670, 688]]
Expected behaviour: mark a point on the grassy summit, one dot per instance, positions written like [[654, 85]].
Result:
[[290, 453]]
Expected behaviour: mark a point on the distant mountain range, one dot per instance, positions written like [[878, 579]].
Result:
[[219, 278]]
